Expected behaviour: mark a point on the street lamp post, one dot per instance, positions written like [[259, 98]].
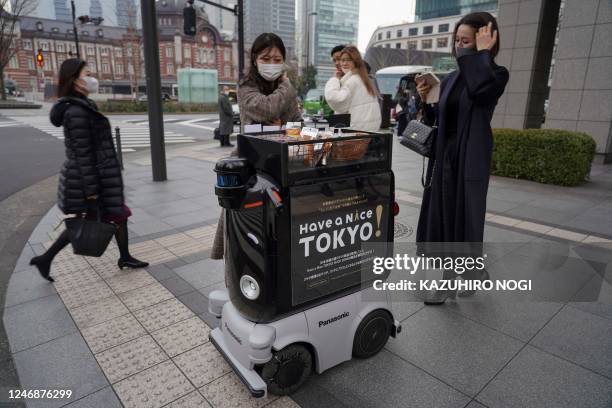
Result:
[[309, 31]]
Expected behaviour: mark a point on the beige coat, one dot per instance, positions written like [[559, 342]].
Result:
[[255, 107]]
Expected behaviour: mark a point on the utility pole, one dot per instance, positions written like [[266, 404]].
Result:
[[238, 11], [156, 121], [74, 29]]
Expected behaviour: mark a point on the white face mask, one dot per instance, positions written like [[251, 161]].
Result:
[[270, 72], [91, 84]]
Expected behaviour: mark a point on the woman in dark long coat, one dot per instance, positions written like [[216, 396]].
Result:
[[90, 178], [454, 205]]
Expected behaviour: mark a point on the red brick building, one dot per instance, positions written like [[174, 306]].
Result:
[[115, 54]]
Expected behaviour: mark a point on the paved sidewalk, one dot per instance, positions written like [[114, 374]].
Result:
[[139, 338]]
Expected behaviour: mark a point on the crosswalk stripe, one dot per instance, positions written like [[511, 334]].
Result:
[[132, 136]]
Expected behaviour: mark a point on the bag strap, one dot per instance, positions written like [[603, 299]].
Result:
[[433, 170]]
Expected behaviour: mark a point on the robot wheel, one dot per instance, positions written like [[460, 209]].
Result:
[[288, 369], [372, 334]]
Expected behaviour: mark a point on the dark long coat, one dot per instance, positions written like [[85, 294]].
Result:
[[226, 116], [485, 83], [91, 166]]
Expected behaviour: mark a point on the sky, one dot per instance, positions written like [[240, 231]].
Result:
[[373, 13]]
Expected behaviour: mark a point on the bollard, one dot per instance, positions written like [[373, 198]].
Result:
[[118, 144]]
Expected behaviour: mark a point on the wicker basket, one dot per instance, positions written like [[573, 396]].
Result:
[[350, 150]]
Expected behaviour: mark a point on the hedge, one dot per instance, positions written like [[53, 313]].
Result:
[[547, 156], [114, 106]]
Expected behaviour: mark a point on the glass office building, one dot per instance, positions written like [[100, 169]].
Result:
[[426, 9], [335, 22]]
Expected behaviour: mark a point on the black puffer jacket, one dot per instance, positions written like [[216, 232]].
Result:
[[91, 167]]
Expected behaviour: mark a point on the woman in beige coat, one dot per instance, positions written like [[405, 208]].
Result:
[[265, 97]]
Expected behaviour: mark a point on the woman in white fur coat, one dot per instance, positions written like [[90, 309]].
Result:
[[351, 91]]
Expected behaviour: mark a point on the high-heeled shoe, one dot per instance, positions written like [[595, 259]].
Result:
[[131, 263], [43, 266], [467, 293], [439, 297]]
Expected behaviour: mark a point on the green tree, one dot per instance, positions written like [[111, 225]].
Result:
[[307, 80]]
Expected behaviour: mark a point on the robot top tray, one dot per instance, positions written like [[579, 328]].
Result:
[[290, 159]]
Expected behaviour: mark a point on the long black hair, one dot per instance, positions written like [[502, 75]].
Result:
[[263, 42], [477, 20], [70, 70]]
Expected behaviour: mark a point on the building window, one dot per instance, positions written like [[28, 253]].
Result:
[[44, 46], [228, 71], [118, 52], [426, 44], [387, 45], [131, 69], [90, 50], [211, 57], [85, 33], [13, 63], [47, 65], [203, 57], [398, 45], [55, 30], [443, 28], [105, 68], [413, 31], [442, 42], [379, 36], [60, 47], [129, 50], [105, 51], [170, 68], [119, 69], [399, 33], [27, 44], [92, 65], [227, 54], [412, 45], [388, 35], [187, 52], [60, 59], [169, 52], [31, 65], [427, 29]]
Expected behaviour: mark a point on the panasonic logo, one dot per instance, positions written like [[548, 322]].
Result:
[[233, 335], [333, 319]]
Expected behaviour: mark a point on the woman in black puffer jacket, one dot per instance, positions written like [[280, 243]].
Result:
[[90, 179]]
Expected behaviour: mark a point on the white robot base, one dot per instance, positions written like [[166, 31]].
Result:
[[278, 357]]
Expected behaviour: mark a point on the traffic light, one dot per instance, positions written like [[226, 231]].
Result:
[[40, 59], [189, 19]]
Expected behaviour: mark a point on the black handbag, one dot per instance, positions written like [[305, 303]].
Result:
[[89, 237], [420, 138]]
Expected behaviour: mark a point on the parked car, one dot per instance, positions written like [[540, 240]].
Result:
[[233, 97], [315, 104]]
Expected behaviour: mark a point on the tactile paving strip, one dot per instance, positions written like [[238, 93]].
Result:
[[98, 312], [228, 391], [130, 280], [130, 358], [193, 400], [182, 336], [145, 296], [86, 294], [154, 387], [163, 314], [203, 364], [85, 276], [112, 333]]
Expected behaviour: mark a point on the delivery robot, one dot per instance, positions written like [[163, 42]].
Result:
[[299, 215]]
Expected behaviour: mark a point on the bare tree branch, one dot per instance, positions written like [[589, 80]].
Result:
[[10, 13]]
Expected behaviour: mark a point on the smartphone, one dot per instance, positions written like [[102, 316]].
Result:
[[434, 82]]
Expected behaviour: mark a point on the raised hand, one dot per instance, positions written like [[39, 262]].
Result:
[[486, 37]]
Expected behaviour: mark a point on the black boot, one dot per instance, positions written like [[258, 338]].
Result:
[[125, 259], [222, 140], [227, 141], [43, 262]]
